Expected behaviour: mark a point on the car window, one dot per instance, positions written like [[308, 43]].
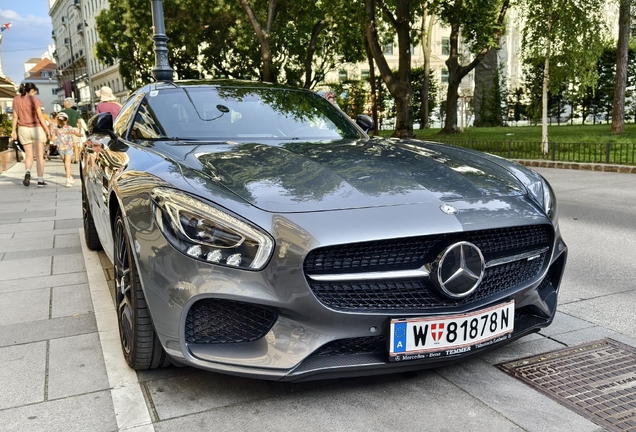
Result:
[[123, 119], [145, 125], [203, 113]]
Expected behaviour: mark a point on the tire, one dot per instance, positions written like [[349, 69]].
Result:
[[139, 341], [90, 232]]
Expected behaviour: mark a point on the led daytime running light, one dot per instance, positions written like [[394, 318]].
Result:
[[209, 234]]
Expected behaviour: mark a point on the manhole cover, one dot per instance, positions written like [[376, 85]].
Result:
[[597, 380]]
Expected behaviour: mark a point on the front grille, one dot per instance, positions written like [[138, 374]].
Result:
[[419, 293], [218, 321], [360, 345], [413, 252]]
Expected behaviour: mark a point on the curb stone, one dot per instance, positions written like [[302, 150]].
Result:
[[625, 169]]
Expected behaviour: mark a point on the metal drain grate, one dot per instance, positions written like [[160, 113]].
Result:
[[596, 380]]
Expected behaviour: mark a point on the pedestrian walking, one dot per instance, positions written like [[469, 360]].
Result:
[[108, 102], [73, 117], [29, 126], [62, 138]]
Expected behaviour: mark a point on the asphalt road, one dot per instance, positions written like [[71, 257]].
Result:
[[598, 221], [596, 214]]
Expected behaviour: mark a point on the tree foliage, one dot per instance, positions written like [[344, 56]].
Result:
[[399, 16], [284, 41], [481, 24], [568, 36]]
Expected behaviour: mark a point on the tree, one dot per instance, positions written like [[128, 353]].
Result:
[[490, 92], [620, 83], [568, 33], [300, 42], [481, 24], [419, 80], [117, 44], [427, 48], [517, 105], [399, 85], [125, 31], [263, 34], [317, 37]]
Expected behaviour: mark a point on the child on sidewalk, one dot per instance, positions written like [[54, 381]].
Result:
[[64, 142]]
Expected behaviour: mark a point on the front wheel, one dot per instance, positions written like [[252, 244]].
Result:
[[139, 340]]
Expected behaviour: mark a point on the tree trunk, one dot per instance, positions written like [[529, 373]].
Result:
[[451, 114], [620, 84], [400, 86], [544, 97], [484, 90], [456, 72], [427, 43], [263, 36], [374, 103], [311, 49]]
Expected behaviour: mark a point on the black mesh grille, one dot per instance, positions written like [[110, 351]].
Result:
[[414, 252], [420, 294], [360, 345], [216, 321]]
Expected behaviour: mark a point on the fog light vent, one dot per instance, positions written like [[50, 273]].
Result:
[[218, 321]]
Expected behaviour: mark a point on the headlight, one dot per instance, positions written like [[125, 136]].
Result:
[[209, 234], [543, 194]]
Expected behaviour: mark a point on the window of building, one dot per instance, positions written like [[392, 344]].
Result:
[[445, 46], [54, 92], [364, 74], [342, 75], [444, 76], [45, 74], [388, 49]]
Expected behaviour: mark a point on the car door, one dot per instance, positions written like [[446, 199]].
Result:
[[106, 158], [96, 144]]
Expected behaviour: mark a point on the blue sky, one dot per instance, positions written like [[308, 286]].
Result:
[[29, 36]]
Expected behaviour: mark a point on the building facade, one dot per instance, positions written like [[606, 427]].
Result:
[[43, 75], [79, 72]]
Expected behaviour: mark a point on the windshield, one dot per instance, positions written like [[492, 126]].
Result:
[[228, 113]]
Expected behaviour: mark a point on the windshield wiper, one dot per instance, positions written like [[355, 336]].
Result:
[[167, 139]]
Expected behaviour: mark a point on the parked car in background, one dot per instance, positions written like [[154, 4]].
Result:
[[256, 230]]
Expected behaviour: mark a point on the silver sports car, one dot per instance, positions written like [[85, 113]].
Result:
[[256, 230]]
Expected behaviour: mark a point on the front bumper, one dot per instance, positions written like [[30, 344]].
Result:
[[307, 340]]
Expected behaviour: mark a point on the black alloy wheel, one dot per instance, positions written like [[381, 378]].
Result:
[[139, 341], [90, 232]]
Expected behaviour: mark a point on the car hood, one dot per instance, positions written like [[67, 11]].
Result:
[[316, 176]]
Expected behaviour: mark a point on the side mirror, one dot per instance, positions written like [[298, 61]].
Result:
[[101, 123], [365, 122]]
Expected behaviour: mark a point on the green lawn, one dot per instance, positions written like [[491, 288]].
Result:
[[563, 134]]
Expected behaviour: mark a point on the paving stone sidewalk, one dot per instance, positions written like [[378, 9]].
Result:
[[53, 375]]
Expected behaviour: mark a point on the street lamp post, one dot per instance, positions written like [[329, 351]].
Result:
[[162, 70], [70, 42]]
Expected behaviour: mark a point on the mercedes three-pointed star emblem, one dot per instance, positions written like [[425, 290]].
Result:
[[458, 269]]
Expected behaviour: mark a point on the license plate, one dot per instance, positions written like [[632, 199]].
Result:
[[422, 338]]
